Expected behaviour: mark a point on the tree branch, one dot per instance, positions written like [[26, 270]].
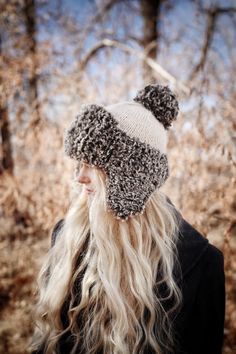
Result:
[[212, 15], [152, 63]]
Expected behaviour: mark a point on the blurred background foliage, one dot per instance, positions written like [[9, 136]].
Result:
[[56, 55]]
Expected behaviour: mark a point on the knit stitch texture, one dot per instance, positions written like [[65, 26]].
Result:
[[133, 168]]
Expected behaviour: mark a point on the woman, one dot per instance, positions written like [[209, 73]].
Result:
[[126, 273]]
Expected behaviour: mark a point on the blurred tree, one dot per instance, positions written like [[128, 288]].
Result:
[[212, 14], [56, 55], [150, 10], [6, 146], [29, 12]]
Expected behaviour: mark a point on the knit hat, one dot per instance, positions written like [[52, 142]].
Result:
[[128, 140]]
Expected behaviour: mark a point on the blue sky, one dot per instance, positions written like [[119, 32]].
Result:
[[183, 27], [183, 15]]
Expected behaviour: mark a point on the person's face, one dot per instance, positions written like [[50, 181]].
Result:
[[86, 177]]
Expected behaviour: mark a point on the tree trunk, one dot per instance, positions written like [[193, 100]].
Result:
[[30, 23], [150, 10], [6, 158]]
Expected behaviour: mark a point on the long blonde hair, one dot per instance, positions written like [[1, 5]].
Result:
[[109, 273]]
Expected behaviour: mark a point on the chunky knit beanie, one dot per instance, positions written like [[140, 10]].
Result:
[[128, 140]]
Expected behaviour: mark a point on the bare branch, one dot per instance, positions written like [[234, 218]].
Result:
[[212, 15], [98, 17], [152, 63], [150, 11], [211, 23]]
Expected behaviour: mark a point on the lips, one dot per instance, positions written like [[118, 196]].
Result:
[[89, 190]]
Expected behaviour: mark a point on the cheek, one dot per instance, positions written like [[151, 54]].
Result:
[[92, 178], [90, 173]]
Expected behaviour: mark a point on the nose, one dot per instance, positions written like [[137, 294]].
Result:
[[83, 176]]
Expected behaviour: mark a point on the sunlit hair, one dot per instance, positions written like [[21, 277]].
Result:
[[110, 272]]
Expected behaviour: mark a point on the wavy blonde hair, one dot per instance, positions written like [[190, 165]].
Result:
[[109, 273]]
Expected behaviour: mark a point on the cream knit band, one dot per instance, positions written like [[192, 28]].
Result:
[[131, 117], [128, 140]]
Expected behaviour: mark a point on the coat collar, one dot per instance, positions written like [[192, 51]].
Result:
[[191, 245]]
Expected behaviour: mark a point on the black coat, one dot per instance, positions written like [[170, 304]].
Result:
[[200, 323]]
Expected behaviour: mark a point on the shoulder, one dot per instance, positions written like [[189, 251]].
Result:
[[213, 264], [214, 255], [57, 227], [201, 246], [211, 289], [196, 252], [200, 322]]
